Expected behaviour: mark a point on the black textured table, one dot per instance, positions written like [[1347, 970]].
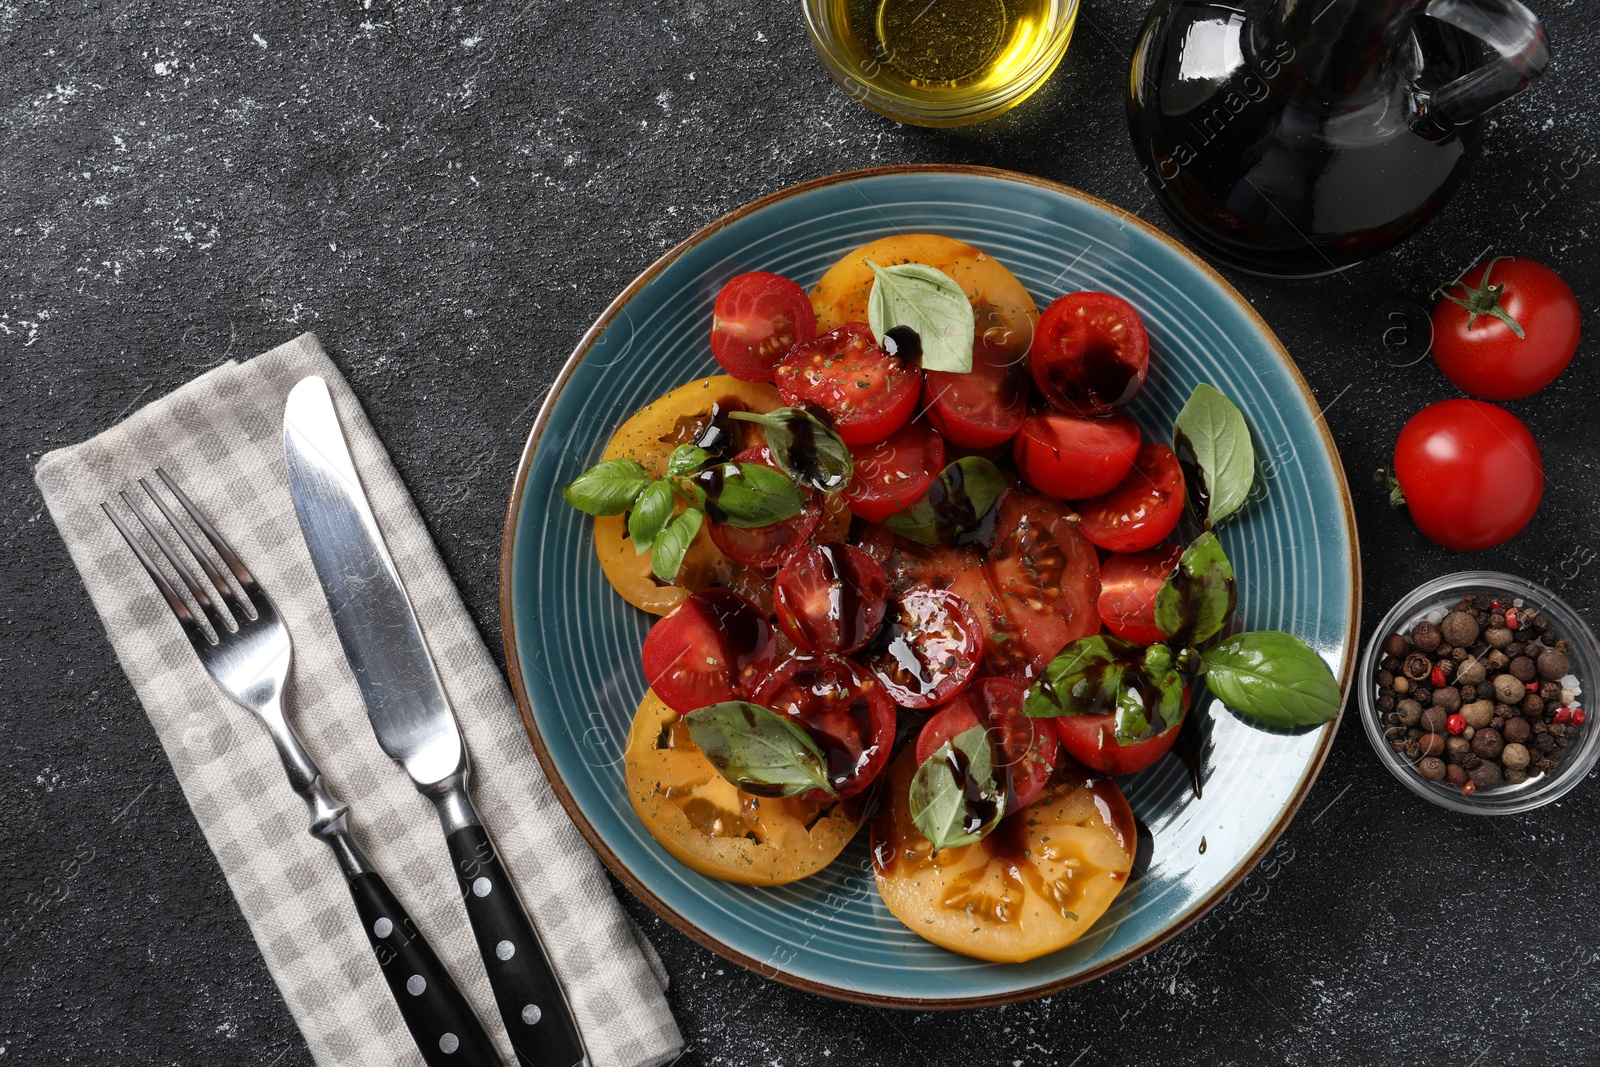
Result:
[[448, 194]]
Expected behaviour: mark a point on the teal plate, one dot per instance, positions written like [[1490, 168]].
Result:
[[573, 644]]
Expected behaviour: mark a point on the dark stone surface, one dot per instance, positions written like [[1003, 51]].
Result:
[[448, 194]]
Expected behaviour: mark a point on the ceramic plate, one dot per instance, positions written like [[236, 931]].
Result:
[[573, 644]]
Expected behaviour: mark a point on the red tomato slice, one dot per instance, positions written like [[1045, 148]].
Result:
[[911, 566], [1144, 507], [714, 646], [1092, 741], [757, 319], [1090, 353], [930, 648], [868, 393], [1046, 577], [765, 546], [984, 407], [844, 709], [1073, 457], [830, 598], [1128, 587], [892, 473], [1026, 748]]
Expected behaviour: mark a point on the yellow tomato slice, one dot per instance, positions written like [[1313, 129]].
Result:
[[1037, 883], [1006, 314], [649, 437], [711, 826]]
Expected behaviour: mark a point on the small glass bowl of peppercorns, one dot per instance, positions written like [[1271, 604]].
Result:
[[1472, 693]]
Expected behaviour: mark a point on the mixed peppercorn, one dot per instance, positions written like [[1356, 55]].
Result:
[[1483, 697]]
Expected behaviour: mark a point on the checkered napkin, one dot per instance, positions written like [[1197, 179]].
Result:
[[220, 437]]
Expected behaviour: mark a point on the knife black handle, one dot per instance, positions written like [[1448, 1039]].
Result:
[[440, 1019], [525, 986]]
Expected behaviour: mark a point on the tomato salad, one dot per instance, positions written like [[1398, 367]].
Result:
[[913, 564]]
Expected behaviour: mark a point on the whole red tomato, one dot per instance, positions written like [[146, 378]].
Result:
[[1470, 472], [1506, 330]]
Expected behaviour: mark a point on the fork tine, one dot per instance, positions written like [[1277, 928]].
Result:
[[238, 568], [174, 601], [223, 588], [196, 590]]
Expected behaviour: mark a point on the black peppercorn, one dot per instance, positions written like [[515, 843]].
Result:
[[1385, 679], [1522, 669], [1469, 693], [1487, 743], [1386, 702]]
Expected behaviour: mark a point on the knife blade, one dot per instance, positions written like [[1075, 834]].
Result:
[[413, 719]]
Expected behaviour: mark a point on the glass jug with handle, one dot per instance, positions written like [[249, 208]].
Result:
[[1297, 137]]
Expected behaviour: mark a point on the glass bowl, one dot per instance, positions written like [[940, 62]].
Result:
[[1432, 599], [1019, 64]]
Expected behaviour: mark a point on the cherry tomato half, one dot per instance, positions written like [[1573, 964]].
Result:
[[830, 598], [712, 647], [845, 710], [1046, 577], [1128, 588], [1073, 457], [1144, 507], [757, 319], [930, 648], [894, 472], [1090, 353], [1092, 741], [1470, 471], [1025, 747], [868, 393], [766, 546], [984, 407], [1481, 353]]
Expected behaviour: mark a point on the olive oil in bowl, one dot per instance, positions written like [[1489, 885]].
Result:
[[940, 62]]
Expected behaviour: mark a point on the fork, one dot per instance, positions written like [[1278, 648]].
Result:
[[250, 663]]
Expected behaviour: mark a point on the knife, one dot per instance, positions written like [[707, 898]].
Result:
[[413, 719]]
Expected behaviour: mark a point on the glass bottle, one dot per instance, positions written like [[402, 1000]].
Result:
[[1295, 138]]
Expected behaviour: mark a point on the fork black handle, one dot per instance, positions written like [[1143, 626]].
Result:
[[441, 1021], [525, 986]]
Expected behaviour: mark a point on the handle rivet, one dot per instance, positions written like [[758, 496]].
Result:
[[383, 927], [481, 887], [505, 950], [449, 1043], [416, 985], [531, 1014]]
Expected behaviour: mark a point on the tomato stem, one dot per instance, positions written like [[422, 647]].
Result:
[[1397, 496], [1484, 300]]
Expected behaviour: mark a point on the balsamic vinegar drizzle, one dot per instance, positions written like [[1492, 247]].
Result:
[[903, 343], [981, 805], [1194, 480]]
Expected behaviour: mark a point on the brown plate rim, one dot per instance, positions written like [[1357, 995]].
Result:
[[614, 863]]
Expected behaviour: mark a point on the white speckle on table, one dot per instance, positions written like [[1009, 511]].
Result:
[[258, 39], [471, 42], [664, 100], [164, 68]]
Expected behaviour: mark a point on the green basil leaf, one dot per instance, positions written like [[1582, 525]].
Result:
[[749, 494], [650, 515], [666, 555], [1105, 675], [956, 502], [1274, 679], [1211, 436], [686, 459], [931, 303], [608, 488], [1198, 598], [805, 448], [955, 799], [759, 750]]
